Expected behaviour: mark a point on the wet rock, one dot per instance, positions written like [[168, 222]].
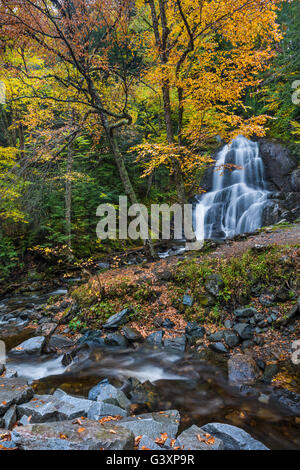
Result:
[[145, 395], [58, 342], [110, 394], [132, 334], [10, 373], [260, 364], [118, 319], [189, 440], [233, 437], [244, 330], [30, 346], [177, 344], [219, 348], [266, 299], [245, 312], [2, 368], [270, 371], [94, 436], [214, 284], [13, 391], [47, 329], [116, 339], [92, 338], [246, 344], [49, 408], [82, 403], [295, 180], [10, 417], [187, 300], [194, 332], [231, 338], [242, 369], [278, 164], [100, 409], [287, 400], [217, 336], [153, 424], [148, 444], [156, 339], [94, 392]]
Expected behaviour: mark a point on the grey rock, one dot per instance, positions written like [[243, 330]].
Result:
[[100, 409], [10, 417], [269, 372], [58, 342], [194, 332], [30, 346], [81, 404], [244, 330], [13, 391], [287, 400], [295, 180], [148, 444], [228, 324], [178, 343], [153, 424], [187, 300], [156, 338], [49, 408], [46, 329], [116, 339], [233, 437], [94, 392], [217, 336], [189, 440], [214, 284], [118, 319], [231, 338], [10, 373], [110, 394], [95, 436], [219, 348], [242, 369], [245, 312], [132, 334]]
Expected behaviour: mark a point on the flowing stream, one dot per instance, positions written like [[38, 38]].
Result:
[[198, 388], [238, 195]]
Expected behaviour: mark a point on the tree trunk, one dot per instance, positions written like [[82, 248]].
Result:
[[68, 197]]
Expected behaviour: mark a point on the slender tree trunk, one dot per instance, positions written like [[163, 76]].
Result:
[[68, 197]]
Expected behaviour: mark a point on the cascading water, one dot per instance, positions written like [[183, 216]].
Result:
[[237, 198]]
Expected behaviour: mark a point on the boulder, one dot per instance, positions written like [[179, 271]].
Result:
[[214, 284], [13, 391], [116, 340], [132, 334], [278, 164], [156, 338], [287, 400], [218, 348], [177, 344], [217, 336], [110, 394], [153, 424], [245, 312], [244, 330], [30, 346], [196, 438], [68, 435], [49, 408], [295, 180], [10, 417], [57, 342], [118, 319], [148, 444], [94, 392], [231, 338], [242, 369], [194, 332], [100, 409], [233, 437]]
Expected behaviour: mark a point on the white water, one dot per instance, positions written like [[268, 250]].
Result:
[[236, 201]]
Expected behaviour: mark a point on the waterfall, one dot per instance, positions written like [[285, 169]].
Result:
[[237, 198]]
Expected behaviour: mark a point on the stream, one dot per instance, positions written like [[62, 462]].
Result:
[[197, 387]]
